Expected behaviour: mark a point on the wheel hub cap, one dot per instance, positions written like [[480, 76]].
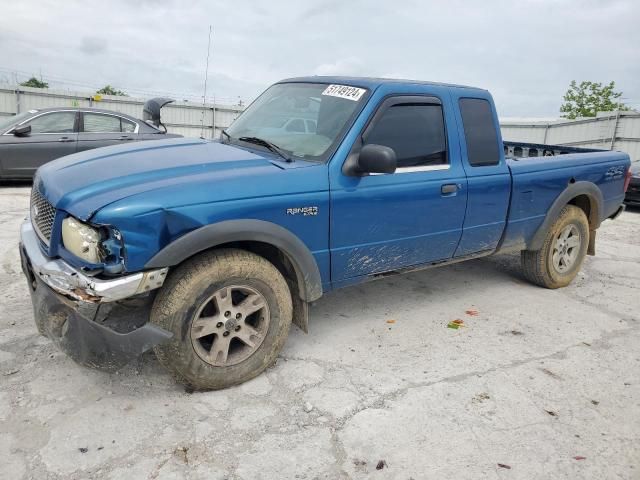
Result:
[[230, 325], [566, 249]]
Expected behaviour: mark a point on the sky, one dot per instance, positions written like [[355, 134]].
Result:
[[525, 52]]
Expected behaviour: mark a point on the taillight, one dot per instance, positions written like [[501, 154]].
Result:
[[627, 180]]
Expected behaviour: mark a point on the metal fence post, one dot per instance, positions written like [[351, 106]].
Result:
[[615, 129], [213, 121]]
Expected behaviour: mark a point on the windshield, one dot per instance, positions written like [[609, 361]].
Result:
[[304, 119], [5, 123]]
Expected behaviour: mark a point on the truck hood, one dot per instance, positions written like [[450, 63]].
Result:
[[84, 182]]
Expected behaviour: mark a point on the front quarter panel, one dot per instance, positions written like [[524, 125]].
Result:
[[293, 197]]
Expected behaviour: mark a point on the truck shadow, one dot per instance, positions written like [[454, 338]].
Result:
[[470, 277], [360, 304], [16, 183]]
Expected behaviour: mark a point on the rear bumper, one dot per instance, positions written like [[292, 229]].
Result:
[[93, 332]]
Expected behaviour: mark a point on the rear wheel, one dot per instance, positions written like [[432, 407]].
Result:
[[229, 312], [557, 263]]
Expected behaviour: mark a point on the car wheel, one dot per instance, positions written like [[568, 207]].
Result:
[[229, 312], [559, 260]]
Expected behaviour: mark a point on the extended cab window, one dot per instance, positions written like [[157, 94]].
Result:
[[480, 132], [415, 132], [57, 122]]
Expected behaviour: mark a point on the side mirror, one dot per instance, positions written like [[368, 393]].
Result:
[[22, 131], [374, 159]]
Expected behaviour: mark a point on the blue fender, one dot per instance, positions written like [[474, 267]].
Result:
[[210, 236], [572, 191]]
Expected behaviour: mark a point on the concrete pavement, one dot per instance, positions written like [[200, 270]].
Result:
[[537, 384]]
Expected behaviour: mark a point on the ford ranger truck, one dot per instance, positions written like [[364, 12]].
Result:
[[207, 251]]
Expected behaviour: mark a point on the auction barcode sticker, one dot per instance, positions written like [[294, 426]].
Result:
[[344, 91]]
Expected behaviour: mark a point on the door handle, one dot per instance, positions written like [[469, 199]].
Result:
[[65, 139], [126, 137], [449, 188]]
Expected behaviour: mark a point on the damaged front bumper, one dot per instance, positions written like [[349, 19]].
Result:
[[65, 279], [98, 323]]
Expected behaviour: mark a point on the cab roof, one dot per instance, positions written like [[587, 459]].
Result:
[[370, 82]]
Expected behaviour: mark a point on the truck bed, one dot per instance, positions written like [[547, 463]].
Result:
[[517, 150], [538, 181]]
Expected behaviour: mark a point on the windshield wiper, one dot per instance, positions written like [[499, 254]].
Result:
[[266, 143]]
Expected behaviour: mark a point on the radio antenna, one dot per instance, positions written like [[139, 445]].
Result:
[[204, 95]]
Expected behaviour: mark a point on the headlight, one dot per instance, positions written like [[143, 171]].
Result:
[[82, 240]]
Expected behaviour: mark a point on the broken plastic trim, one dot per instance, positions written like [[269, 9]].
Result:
[[112, 249]]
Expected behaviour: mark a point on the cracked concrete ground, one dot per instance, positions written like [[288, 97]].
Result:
[[544, 382]]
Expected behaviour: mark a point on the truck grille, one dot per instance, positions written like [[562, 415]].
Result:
[[42, 215]]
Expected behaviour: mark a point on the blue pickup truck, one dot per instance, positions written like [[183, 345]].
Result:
[[207, 251]]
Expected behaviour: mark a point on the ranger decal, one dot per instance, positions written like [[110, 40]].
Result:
[[305, 211]]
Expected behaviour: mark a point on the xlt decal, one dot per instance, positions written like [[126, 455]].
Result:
[[305, 211]]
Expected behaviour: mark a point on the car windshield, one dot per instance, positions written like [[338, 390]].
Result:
[[7, 122], [302, 119]]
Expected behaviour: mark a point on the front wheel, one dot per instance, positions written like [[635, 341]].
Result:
[[557, 263], [229, 312]]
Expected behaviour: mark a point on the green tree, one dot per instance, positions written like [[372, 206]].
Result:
[[589, 98], [109, 90], [35, 83]]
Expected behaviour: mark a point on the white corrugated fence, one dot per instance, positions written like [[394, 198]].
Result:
[[608, 131]]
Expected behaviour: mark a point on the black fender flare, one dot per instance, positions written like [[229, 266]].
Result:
[[210, 236], [572, 191]]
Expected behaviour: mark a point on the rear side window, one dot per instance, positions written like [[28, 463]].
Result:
[[296, 125], [480, 132], [98, 123], [311, 126], [415, 132], [127, 126]]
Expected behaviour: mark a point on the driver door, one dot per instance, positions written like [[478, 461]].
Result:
[[387, 222]]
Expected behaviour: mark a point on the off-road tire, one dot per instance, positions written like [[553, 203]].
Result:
[[187, 287], [538, 265]]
